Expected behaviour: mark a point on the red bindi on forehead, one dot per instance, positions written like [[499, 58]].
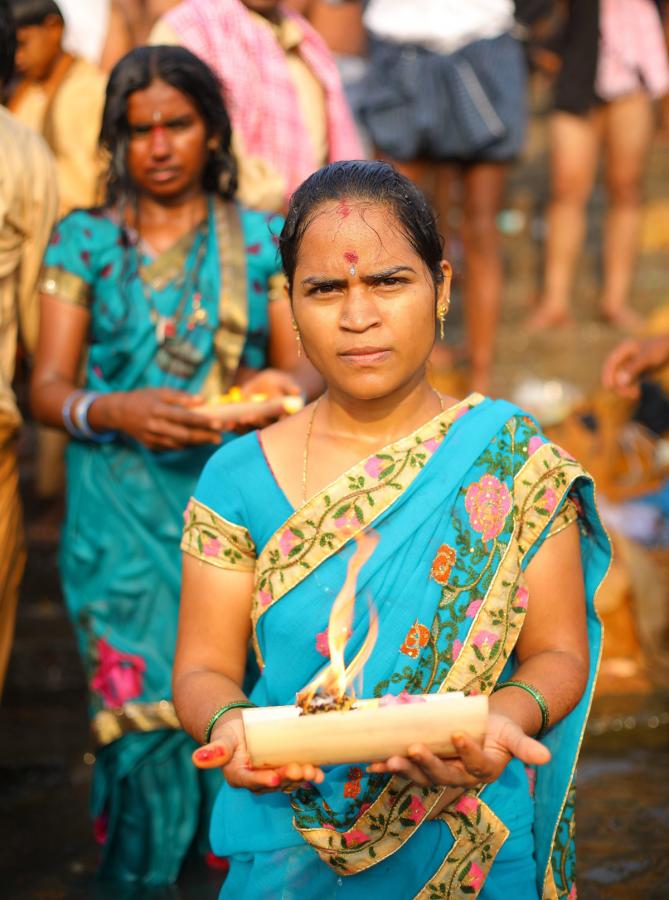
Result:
[[343, 208], [351, 257]]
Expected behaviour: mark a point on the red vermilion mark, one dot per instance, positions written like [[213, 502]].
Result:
[[351, 257], [343, 208]]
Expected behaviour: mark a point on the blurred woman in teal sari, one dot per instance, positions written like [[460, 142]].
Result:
[[166, 287], [489, 554]]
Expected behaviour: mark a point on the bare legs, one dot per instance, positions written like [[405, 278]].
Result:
[[624, 128]]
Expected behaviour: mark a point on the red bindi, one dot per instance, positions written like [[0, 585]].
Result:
[[343, 208], [351, 257]]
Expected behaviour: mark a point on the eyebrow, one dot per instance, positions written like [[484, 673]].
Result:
[[370, 279], [183, 119]]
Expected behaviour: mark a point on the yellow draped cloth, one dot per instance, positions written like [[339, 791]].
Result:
[[28, 203]]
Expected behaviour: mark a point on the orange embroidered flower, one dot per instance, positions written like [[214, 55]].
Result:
[[442, 564], [417, 637], [352, 786]]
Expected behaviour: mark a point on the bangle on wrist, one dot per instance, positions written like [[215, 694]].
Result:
[[81, 416], [221, 711], [538, 698], [75, 418]]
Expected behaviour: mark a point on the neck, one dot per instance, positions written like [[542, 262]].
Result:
[[175, 213], [382, 419], [60, 63]]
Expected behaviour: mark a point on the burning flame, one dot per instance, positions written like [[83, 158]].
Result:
[[337, 677]]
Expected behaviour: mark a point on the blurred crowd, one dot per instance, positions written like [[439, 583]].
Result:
[[145, 148]]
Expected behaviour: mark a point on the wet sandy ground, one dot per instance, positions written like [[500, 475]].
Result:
[[46, 848]]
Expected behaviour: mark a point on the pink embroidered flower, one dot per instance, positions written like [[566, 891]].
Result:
[[322, 645], [466, 805], [355, 838], [374, 467], [416, 810], [534, 443], [522, 596], [457, 648], [461, 412], [264, 598], [473, 608], [432, 444], [364, 807], [118, 677], [475, 877], [348, 521], [550, 500], [485, 639], [287, 541], [488, 502], [212, 547], [572, 892]]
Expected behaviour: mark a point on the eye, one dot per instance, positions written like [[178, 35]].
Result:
[[139, 130], [322, 290]]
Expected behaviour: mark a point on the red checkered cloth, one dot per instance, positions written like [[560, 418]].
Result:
[[259, 93], [632, 50]]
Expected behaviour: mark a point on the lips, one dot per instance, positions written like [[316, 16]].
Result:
[[365, 355], [165, 174]]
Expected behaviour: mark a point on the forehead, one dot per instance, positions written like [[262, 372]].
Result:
[[162, 98], [30, 33], [370, 230]]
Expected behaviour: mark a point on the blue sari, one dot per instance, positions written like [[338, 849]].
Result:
[[119, 560], [460, 506]]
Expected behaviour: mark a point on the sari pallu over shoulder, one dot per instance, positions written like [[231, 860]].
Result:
[[460, 506]]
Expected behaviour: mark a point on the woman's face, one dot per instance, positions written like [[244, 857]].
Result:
[[364, 300], [168, 150]]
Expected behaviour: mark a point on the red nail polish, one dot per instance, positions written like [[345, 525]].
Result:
[[203, 755]]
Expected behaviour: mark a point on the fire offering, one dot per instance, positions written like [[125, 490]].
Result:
[[329, 726]]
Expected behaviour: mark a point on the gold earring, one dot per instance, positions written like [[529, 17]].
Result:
[[298, 337], [442, 309]]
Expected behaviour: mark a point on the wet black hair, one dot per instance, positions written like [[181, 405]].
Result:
[[185, 72], [34, 12], [372, 181], [7, 44]]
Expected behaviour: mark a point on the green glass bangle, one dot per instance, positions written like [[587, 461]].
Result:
[[238, 704], [538, 697]]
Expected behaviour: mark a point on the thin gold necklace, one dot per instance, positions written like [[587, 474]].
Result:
[[305, 458]]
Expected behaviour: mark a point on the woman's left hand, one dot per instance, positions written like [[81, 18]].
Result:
[[475, 765]]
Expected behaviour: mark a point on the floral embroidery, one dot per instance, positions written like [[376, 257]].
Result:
[[352, 786], [288, 541], [119, 676], [457, 648], [417, 637], [212, 539], [442, 564], [534, 443], [415, 810], [355, 838], [373, 467], [485, 641], [550, 500], [488, 502], [467, 805], [264, 598], [475, 877], [473, 608], [521, 598]]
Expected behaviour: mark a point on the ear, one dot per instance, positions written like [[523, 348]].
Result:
[[444, 289]]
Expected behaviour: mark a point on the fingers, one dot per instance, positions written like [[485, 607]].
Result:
[[526, 748], [286, 778], [427, 770], [215, 754], [622, 367]]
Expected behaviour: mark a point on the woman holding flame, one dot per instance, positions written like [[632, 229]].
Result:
[[489, 554]]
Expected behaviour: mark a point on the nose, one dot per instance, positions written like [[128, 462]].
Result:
[[159, 144], [360, 310]]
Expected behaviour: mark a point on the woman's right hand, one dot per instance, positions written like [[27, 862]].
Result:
[[159, 418], [631, 360], [228, 751]]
